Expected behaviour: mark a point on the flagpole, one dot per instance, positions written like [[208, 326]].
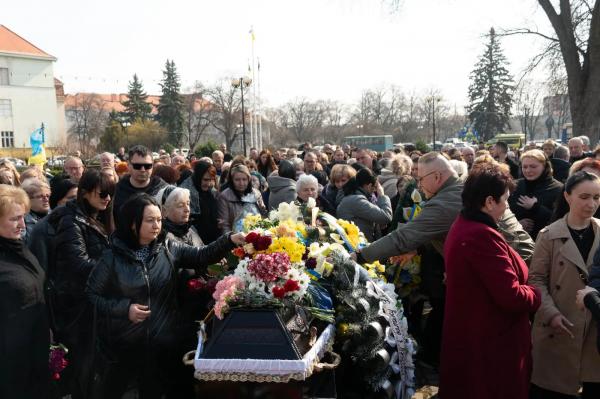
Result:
[[257, 137], [259, 104]]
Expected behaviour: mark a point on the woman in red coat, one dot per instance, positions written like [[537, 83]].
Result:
[[486, 342]]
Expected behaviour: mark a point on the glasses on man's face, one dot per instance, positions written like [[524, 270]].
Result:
[[41, 196], [420, 179], [139, 166]]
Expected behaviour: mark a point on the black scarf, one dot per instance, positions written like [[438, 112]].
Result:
[[179, 230], [480, 217]]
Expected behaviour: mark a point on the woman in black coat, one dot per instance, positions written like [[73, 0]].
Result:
[[134, 289], [81, 237], [533, 200], [203, 201], [24, 331]]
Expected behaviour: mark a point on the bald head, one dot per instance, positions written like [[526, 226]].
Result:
[[433, 172]]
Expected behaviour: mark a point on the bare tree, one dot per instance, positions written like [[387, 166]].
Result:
[[225, 112], [88, 119], [198, 112], [529, 107], [575, 43], [304, 117]]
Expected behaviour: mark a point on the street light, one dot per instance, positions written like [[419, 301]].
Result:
[[242, 83], [125, 125], [360, 128]]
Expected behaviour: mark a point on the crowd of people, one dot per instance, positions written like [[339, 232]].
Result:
[[98, 258]]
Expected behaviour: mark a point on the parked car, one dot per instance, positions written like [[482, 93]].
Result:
[[15, 161], [57, 161]]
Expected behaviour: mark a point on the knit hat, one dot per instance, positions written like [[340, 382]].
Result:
[[59, 189]]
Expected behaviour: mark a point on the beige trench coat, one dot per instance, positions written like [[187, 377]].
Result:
[[561, 363]]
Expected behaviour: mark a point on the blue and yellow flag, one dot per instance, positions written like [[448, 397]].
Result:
[[38, 147]]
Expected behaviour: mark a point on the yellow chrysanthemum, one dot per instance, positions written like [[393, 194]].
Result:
[[288, 245], [352, 232], [250, 220]]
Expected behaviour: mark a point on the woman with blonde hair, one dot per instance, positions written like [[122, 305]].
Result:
[[24, 328], [533, 200], [339, 175], [9, 173]]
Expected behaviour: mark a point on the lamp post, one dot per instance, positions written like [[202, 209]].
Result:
[[241, 83], [125, 125], [360, 128]]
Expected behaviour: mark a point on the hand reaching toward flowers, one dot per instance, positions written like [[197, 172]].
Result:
[[404, 258], [238, 238]]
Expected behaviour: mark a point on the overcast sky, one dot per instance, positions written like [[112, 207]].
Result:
[[318, 49]]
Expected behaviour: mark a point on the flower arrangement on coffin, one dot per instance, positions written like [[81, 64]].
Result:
[[299, 259]]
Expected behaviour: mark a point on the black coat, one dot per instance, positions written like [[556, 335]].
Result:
[[24, 331], [81, 242], [546, 189], [124, 190], [42, 242], [121, 280], [560, 169]]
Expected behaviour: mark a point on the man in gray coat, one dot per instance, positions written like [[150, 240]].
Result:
[[438, 181]]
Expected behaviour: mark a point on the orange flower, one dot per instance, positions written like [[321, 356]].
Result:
[[239, 252]]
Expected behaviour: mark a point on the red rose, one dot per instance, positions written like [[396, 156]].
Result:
[[239, 252], [310, 263], [278, 292], [262, 243], [252, 237], [291, 285]]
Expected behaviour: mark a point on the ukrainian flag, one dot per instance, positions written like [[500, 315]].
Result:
[[38, 147]]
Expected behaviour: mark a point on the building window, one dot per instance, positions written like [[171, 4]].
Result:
[[5, 107], [8, 139], [3, 76]]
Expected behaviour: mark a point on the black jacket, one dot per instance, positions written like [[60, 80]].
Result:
[[24, 337], [120, 280], [546, 189], [125, 190], [560, 169], [80, 242], [42, 242]]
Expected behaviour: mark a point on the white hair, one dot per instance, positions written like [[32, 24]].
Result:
[[173, 196], [304, 180], [461, 167]]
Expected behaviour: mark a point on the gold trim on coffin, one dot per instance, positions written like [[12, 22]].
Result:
[[248, 377]]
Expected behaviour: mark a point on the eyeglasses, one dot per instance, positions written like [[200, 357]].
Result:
[[139, 166], [419, 179], [103, 194], [41, 196]]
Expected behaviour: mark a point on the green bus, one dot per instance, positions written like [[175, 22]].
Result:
[[375, 143]]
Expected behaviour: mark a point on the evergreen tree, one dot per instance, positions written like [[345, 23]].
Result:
[[136, 105], [113, 137], [490, 91], [171, 107]]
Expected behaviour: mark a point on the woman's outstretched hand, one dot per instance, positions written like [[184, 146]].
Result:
[[238, 238]]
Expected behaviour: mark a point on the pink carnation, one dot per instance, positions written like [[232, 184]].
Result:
[[269, 267], [224, 291]]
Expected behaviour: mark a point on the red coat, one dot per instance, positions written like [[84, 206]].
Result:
[[486, 341]]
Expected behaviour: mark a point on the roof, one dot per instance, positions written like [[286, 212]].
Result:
[[11, 43], [108, 101], [114, 101]]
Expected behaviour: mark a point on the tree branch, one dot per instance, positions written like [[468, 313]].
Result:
[[526, 31]]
